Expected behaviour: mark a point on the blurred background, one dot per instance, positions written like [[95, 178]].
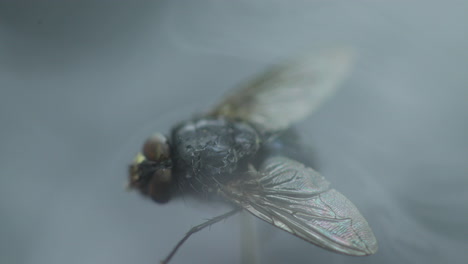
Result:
[[83, 83]]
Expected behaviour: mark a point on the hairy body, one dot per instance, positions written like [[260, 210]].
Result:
[[209, 151]]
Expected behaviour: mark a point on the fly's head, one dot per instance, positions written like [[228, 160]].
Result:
[[151, 170]]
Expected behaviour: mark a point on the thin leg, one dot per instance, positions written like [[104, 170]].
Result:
[[249, 241], [198, 228]]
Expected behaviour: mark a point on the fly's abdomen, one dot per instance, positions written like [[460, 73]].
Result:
[[209, 151]]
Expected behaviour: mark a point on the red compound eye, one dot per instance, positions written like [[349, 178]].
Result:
[[159, 187], [156, 148]]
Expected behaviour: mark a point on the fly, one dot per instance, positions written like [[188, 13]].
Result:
[[233, 152]]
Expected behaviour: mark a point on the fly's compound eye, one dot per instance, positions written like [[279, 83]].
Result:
[[159, 187], [156, 148]]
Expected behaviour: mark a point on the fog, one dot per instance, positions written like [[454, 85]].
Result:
[[83, 83]]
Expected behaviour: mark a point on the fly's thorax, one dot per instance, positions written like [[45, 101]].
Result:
[[209, 151], [151, 171]]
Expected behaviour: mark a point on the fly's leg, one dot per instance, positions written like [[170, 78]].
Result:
[[198, 228], [249, 240]]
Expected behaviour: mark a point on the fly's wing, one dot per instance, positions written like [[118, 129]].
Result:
[[298, 200], [288, 92]]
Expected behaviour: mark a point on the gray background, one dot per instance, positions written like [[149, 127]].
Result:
[[82, 83]]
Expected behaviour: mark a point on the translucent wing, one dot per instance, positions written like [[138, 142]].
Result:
[[288, 92], [298, 200]]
